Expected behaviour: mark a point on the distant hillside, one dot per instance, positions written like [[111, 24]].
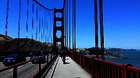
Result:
[[4, 37], [20, 45]]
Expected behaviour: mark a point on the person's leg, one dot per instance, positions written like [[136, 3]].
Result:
[[64, 59]]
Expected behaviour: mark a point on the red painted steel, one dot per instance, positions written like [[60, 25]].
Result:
[[104, 69], [56, 28]]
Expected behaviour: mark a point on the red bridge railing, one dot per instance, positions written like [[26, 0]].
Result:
[[105, 69]]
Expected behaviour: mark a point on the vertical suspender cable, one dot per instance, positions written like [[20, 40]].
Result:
[[27, 15], [51, 29], [39, 27], [101, 24], [96, 23], [63, 31], [36, 37], [7, 17], [36, 32], [48, 9], [48, 29], [45, 27], [74, 24], [52, 16], [19, 18], [71, 24], [42, 28], [32, 20], [42, 23], [67, 23], [52, 22], [69, 8], [101, 27], [19, 24]]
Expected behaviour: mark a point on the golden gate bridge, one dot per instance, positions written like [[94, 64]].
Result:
[[43, 32]]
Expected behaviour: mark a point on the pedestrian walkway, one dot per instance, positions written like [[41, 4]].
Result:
[[71, 70]]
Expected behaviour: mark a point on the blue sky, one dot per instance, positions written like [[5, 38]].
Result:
[[121, 22]]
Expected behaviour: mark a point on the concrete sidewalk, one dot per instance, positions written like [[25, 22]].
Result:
[[71, 70]]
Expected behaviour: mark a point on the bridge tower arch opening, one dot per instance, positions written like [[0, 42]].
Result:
[[57, 27]]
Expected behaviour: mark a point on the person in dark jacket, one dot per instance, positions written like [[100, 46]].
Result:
[[64, 54]]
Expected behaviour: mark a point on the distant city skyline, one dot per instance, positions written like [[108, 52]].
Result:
[[121, 22]]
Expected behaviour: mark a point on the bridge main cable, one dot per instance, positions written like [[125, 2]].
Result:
[[37, 2]]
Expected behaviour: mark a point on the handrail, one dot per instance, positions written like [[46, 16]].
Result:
[[105, 69], [40, 73], [12, 66]]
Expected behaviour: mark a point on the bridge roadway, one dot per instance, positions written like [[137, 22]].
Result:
[[70, 70], [25, 71]]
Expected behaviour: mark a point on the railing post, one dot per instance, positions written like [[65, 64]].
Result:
[[127, 72], [39, 68], [15, 72], [47, 58]]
